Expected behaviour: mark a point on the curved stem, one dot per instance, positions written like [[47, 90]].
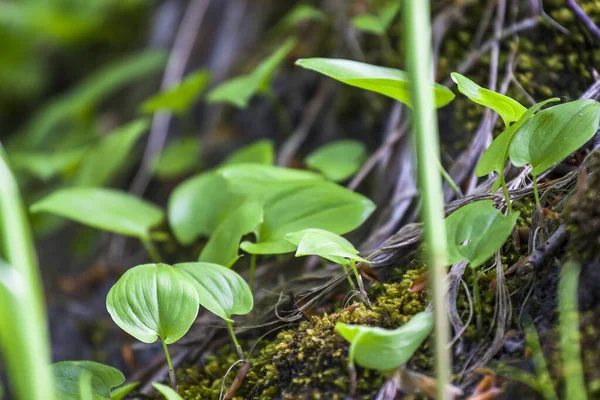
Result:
[[348, 276], [238, 348], [151, 249], [358, 277], [172, 378], [536, 194], [505, 191]]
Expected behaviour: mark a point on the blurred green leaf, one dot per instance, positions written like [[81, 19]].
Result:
[[47, 165], [180, 157], [302, 13], [166, 391], [324, 244], [107, 158], [222, 247], [380, 23], [259, 152], [476, 231], [67, 376], [239, 90], [221, 290], [338, 160], [387, 81], [122, 391], [178, 98], [106, 209], [153, 300], [552, 134], [386, 349]]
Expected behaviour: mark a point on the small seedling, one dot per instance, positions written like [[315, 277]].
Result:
[[385, 349], [474, 233], [154, 301], [102, 380], [221, 291], [330, 246], [339, 160], [552, 134]]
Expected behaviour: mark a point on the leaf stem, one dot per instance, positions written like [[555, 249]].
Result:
[[238, 348], [348, 276], [505, 191], [172, 378], [449, 179], [536, 194], [358, 277], [252, 271], [151, 249]]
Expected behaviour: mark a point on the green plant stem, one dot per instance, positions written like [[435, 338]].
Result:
[[172, 378], [543, 378], [449, 179], [238, 348], [359, 280], [152, 250], [416, 18], [505, 191], [477, 299], [536, 194], [252, 271], [348, 276]]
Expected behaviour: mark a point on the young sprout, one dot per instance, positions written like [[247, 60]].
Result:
[[154, 301], [474, 233], [72, 379], [331, 247], [221, 291]]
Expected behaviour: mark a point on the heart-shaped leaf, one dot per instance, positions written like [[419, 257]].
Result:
[[106, 209], [253, 178], [509, 110], [153, 300], [476, 231], [387, 81], [222, 247], [496, 155], [259, 152], [239, 90], [166, 391], [179, 98], [67, 376], [221, 290], [198, 205], [293, 206], [339, 160], [180, 157], [551, 135], [324, 244], [106, 158], [385, 349]]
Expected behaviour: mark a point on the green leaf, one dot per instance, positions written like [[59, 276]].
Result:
[[302, 13], [259, 152], [293, 206], [46, 165], [338, 160], [377, 24], [85, 386], [496, 155], [221, 290], [180, 157], [151, 301], [324, 244], [122, 391], [107, 158], [106, 209], [238, 91], [67, 376], [252, 178], [222, 247], [387, 81], [509, 110], [385, 349], [180, 97], [198, 205], [166, 391], [552, 134], [476, 231]]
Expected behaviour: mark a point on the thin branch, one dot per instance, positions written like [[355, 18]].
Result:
[[583, 17]]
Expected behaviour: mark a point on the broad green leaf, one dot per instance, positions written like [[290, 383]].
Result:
[[552, 134], [292, 206], [221, 290], [259, 152], [85, 386], [122, 391], [222, 247], [166, 391], [252, 178], [67, 376], [106, 209], [46, 165], [496, 155], [509, 110], [302, 13], [180, 97], [324, 244], [239, 90], [386, 349], [180, 157], [339, 160], [377, 24], [387, 81], [476, 231], [198, 205], [107, 158], [151, 301]]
